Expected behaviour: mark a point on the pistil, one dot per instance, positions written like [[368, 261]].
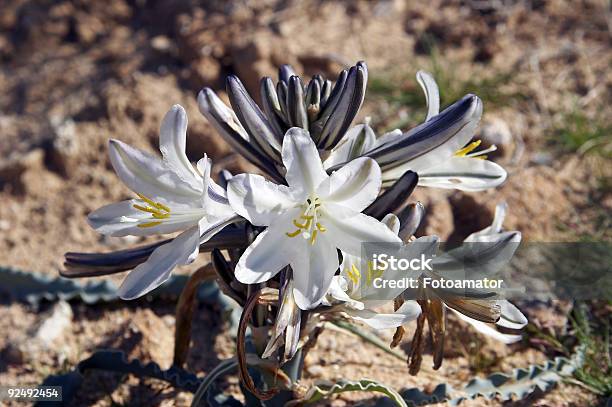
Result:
[[307, 224]]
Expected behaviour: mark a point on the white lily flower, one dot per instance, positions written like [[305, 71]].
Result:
[[354, 286], [509, 315], [454, 163], [173, 196], [440, 153], [307, 220]]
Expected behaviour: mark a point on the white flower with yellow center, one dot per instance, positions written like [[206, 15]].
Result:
[[172, 195], [359, 297], [440, 150], [307, 220]]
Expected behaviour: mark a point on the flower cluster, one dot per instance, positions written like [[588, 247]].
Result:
[[296, 230]]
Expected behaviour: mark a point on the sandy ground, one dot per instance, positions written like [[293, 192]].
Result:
[[75, 73]]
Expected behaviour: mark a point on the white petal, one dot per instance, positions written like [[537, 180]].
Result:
[[511, 316], [147, 175], [392, 222], [351, 229], [204, 167], [258, 200], [269, 253], [462, 132], [463, 173], [172, 140], [496, 225], [432, 94], [500, 214], [122, 219], [208, 102], [338, 291], [214, 200], [301, 159], [409, 311], [487, 256], [356, 141], [157, 269], [355, 185], [488, 330], [313, 269], [117, 219]]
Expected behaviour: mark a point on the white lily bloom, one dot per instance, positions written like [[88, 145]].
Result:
[[354, 286], [510, 316], [452, 163], [173, 196], [307, 220]]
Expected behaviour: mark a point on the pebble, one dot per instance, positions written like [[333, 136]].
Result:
[[55, 323], [542, 158]]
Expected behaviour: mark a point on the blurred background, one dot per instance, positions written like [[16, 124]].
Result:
[[75, 73]]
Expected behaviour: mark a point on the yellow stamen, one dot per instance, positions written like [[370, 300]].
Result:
[[149, 224], [314, 236], [468, 149], [299, 225], [156, 209], [162, 207], [308, 227], [147, 200], [373, 273], [146, 208], [354, 274], [153, 203], [294, 234]]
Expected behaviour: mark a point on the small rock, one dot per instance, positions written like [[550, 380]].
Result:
[[55, 323], [89, 27], [496, 131], [204, 71], [542, 158], [63, 156], [161, 43], [315, 370], [4, 225]]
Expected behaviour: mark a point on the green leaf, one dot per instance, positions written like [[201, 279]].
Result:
[[522, 382], [34, 287], [223, 368], [518, 385], [324, 390], [504, 386]]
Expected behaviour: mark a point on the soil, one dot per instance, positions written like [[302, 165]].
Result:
[[75, 73]]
